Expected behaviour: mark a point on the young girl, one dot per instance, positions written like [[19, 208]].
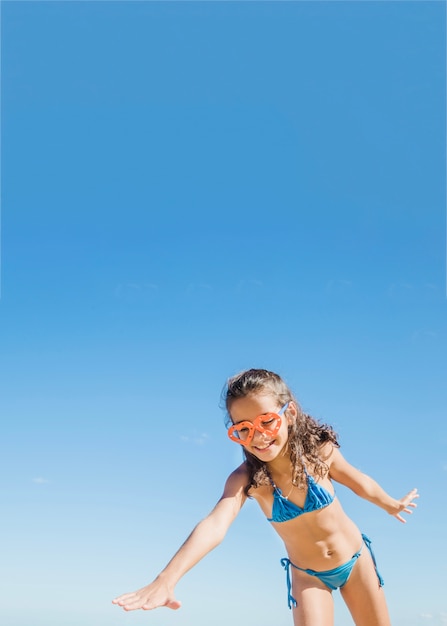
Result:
[[290, 463]]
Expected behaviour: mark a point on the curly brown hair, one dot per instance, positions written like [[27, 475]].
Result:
[[306, 434]]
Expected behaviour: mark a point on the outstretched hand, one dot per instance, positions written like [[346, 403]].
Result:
[[150, 597], [406, 504]]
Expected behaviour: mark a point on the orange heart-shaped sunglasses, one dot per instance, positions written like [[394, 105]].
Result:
[[269, 423]]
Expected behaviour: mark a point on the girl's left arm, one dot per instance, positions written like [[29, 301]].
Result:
[[366, 487]]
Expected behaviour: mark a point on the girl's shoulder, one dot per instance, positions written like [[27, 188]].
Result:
[[236, 482], [320, 465], [326, 451], [240, 477], [240, 474]]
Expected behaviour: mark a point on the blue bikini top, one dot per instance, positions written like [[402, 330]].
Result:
[[317, 497]]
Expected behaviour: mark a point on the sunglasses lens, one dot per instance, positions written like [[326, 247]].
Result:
[[271, 424], [241, 433]]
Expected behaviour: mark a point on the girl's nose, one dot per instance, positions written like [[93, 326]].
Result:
[[259, 436]]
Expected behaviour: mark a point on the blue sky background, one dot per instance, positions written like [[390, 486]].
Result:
[[191, 189]]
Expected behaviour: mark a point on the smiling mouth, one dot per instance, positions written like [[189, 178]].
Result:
[[265, 448]]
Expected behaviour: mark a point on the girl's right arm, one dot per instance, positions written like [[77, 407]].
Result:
[[205, 537]]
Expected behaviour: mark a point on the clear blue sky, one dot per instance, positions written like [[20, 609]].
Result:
[[190, 189]]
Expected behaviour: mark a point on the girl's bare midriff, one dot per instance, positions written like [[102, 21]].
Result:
[[318, 540]]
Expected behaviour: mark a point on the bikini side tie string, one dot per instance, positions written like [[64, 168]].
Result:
[[367, 541], [286, 563]]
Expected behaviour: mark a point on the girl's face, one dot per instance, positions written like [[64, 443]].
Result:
[[264, 445]]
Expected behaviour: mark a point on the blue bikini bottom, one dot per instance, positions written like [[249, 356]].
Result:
[[332, 578]]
